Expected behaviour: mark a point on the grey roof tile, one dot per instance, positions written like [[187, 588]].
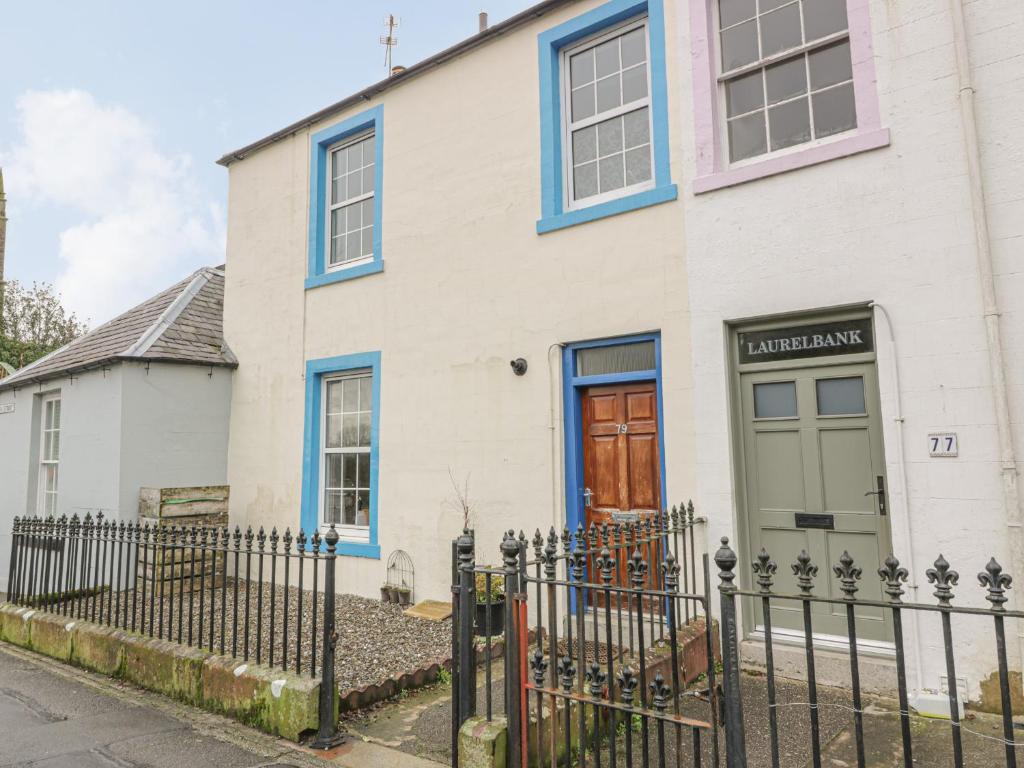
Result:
[[181, 324]]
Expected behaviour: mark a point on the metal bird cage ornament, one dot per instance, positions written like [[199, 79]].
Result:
[[401, 575]]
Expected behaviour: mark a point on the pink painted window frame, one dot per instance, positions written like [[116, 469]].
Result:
[[713, 168]]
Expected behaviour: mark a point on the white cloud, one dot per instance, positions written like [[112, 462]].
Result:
[[143, 221]]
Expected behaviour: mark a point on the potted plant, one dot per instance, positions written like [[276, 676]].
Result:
[[404, 596], [385, 593], [495, 606]]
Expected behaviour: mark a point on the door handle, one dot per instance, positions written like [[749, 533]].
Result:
[[588, 496], [880, 493]]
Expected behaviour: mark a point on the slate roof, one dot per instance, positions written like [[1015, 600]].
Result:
[[183, 324]]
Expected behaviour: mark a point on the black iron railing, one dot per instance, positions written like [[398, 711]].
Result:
[[606, 679], [253, 596], [848, 575]]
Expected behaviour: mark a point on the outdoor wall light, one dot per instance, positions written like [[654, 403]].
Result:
[[518, 366]]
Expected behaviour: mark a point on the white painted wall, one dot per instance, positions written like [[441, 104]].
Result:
[[121, 429], [467, 286], [892, 226]]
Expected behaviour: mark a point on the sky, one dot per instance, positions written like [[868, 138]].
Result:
[[113, 113]]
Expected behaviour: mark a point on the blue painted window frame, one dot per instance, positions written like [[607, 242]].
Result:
[[316, 370], [572, 400], [319, 165], [550, 44]]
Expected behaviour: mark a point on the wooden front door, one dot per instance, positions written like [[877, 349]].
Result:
[[621, 457]]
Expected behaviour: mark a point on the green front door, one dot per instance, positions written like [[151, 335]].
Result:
[[813, 457]]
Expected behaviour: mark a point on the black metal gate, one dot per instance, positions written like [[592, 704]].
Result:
[[603, 630]]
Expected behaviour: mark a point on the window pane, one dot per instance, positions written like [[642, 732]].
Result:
[[611, 173], [786, 80], [584, 145], [734, 11], [354, 157], [583, 103], [789, 124], [634, 47], [369, 151], [609, 136], [349, 476], [337, 222], [353, 184], [334, 389], [834, 110], [354, 245], [367, 211], [350, 397], [369, 178], [55, 446], [337, 249], [348, 508], [637, 128], [606, 58], [333, 436], [739, 45], [368, 241], [56, 414], [744, 94], [840, 396], [831, 65], [775, 400], [338, 190], [47, 445], [332, 470], [581, 69], [823, 17], [332, 507], [638, 165], [585, 180], [338, 167], [634, 84], [747, 136], [770, 5], [350, 430], [363, 509], [780, 30], [364, 429], [616, 358], [609, 93], [365, 393], [363, 475]]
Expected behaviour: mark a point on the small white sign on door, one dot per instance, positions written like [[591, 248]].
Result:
[[6, 408], [943, 444]]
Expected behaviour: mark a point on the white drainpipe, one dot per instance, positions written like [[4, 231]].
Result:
[[1007, 457]]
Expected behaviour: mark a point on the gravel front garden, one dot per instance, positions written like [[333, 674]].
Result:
[[375, 641]]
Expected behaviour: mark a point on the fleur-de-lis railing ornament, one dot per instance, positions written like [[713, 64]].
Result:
[[539, 665], [674, 516], [581, 537], [893, 576], [550, 556], [605, 563], [944, 578], [661, 693], [848, 574], [592, 536], [287, 540], [805, 571], [538, 545], [670, 572], [628, 683], [566, 540], [316, 541], [997, 583], [596, 680], [764, 569], [566, 673], [274, 539], [578, 562], [261, 539], [249, 536], [689, 513], [637, 568]]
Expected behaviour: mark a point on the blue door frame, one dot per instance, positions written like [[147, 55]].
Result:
[[572, 387]]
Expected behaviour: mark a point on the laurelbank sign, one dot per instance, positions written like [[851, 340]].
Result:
[[844, 337]]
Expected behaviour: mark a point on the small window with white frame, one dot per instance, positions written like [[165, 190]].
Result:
[[346, 453], [607, 105], [350, 202], [786, 73], [49, 454]]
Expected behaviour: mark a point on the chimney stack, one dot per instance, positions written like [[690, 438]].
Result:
[[483, 21]]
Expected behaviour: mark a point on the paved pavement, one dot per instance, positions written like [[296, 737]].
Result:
[[55, 716]]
